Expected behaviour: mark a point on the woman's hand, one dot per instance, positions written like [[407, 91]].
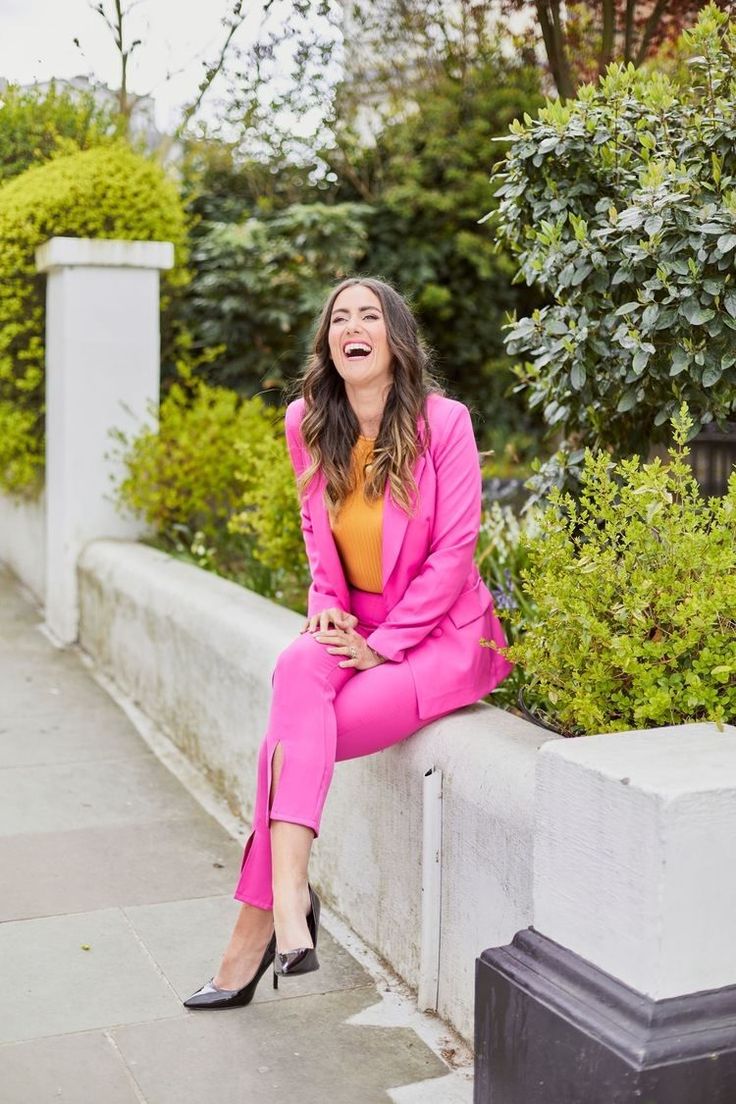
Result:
[[335, 616], [349, 643]]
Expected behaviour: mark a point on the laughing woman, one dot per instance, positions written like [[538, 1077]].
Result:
[[390, 488]]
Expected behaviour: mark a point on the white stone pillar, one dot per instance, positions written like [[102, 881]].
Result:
[[633, 855], [102, 372], [624, 988]]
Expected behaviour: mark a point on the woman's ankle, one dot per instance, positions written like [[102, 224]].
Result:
[[290, 895]]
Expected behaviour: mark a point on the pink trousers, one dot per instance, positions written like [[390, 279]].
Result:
[[321, 713]]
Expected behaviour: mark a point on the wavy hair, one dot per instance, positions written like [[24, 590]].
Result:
[[330, 428]]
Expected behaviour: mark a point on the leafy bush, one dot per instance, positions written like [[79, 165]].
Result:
[[215, 459], [36, 126], [258, 286], [621, 205], [106, 192], [182, 475], [635, 595]]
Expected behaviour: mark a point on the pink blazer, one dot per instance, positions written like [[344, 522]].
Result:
[[439, 607]]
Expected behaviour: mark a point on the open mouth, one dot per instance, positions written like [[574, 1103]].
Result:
[[356, 350]]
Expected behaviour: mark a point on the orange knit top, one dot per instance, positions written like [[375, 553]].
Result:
[[358, 529]]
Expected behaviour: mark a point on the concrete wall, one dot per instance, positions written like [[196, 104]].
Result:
[[23, 540], [196, 653]]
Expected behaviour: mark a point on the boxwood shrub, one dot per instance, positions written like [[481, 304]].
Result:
[[104, 192]]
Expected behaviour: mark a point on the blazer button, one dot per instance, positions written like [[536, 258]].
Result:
[[436, 631]]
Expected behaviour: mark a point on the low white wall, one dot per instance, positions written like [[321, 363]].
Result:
[[196, 653], [23, 540]]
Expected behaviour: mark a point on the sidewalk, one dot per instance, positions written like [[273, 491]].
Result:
[[116, 902]]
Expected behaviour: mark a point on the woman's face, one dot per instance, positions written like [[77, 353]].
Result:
[[357, 338]]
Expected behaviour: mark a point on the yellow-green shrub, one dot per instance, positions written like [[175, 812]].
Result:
[[270, 516], [104, 192], [634, 592], [37, 124], [216, 484], [183, 475]]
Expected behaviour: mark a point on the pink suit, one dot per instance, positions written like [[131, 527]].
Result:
[[427, 622]]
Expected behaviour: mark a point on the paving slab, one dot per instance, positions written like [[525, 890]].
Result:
[[75, 972], [53, 688], [116, 903], [180, 937], [46, 873], [75, 1069], [68, 738], [296, 1049], [61, 796]]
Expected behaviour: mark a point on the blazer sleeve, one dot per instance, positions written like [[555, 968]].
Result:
[[321, 595], [456, 525]]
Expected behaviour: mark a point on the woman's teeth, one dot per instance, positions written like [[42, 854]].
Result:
[[357, 349]]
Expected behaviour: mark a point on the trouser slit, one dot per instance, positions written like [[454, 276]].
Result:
[[272, 781]]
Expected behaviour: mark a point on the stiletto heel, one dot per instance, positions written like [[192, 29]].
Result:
[[304, 959], [211, 996]]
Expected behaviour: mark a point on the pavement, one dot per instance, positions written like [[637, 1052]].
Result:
[[116, 884]]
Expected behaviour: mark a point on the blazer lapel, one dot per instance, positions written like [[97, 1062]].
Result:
[[395, 522], [324, 539]]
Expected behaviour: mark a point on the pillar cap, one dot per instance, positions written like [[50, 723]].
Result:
[[672, 761], [103, 253]]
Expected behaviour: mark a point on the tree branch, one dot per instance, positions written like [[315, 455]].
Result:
[[236, 19]]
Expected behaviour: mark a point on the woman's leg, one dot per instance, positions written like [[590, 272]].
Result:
[[364, 723], [295, 764], [377, 709], [320, 713]]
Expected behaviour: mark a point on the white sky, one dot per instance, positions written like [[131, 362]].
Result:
[[36, 44]]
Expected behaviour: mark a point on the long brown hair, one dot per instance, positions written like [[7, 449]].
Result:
[[330, 428]]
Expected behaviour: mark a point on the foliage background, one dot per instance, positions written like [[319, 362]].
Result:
[[621, 208]]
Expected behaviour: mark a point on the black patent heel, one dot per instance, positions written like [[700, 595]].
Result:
[[303, 960], [210, 996]]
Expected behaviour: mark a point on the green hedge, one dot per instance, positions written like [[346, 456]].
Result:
[[105, 192]]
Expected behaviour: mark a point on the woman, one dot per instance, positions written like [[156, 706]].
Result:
[[390, 486]]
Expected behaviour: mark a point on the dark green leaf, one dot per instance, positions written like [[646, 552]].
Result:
[[626, 402], [695, 314], [577, 376], [726, 243]]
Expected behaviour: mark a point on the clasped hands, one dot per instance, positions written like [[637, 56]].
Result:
[[342, 639]]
